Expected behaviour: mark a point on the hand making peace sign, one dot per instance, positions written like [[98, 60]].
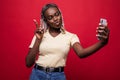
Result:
[[39, 29]]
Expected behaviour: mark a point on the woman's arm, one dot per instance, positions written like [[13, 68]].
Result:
[[31, 56], [84, 52]]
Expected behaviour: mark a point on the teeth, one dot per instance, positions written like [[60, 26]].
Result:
[[56, 22]]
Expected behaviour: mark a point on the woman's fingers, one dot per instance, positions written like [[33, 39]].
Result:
[[41, 26], [103, 29], [102, 32], [39, 33], [36, 23], [39, 30]]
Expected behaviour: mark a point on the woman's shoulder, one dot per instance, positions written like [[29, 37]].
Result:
[[69, 33]]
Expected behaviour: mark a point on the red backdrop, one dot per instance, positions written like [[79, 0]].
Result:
[[81, 17]]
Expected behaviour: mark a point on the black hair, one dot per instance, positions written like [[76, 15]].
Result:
[[45, 8]]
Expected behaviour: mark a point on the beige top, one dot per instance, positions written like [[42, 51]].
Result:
[[54, 50]]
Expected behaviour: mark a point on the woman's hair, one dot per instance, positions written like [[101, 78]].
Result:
[[45, 8]]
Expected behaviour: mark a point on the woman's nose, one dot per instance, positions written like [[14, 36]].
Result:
[[55, 18]]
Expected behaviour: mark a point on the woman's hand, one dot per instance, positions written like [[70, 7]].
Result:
[[103, 33], [39, 29]]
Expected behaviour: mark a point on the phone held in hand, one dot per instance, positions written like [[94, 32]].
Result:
[[103, 23]]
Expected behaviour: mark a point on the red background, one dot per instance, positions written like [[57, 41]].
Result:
[[81, 17]]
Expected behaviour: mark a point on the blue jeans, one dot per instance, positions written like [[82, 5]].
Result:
[[41, 75]]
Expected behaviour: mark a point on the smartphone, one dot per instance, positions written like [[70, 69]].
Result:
[[103, 22]]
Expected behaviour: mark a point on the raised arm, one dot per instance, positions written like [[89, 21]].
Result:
[[104, 37], [31, 56]]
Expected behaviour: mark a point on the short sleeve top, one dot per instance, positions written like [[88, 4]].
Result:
[[53, 51]]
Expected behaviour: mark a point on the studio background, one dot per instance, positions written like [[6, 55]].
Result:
[[80, 17]]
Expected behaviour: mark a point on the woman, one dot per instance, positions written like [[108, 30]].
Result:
[[52, 44]]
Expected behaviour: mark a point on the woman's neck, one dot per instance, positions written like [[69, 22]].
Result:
[[54, 30]]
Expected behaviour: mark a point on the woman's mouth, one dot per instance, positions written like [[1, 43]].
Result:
[[57, 23]]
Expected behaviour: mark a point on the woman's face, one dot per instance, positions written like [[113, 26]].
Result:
[[53, 17]]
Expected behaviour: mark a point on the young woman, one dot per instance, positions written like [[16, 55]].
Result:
[[52, 44]]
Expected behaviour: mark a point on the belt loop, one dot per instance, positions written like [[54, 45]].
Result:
[[47, 70], [60, 69]]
